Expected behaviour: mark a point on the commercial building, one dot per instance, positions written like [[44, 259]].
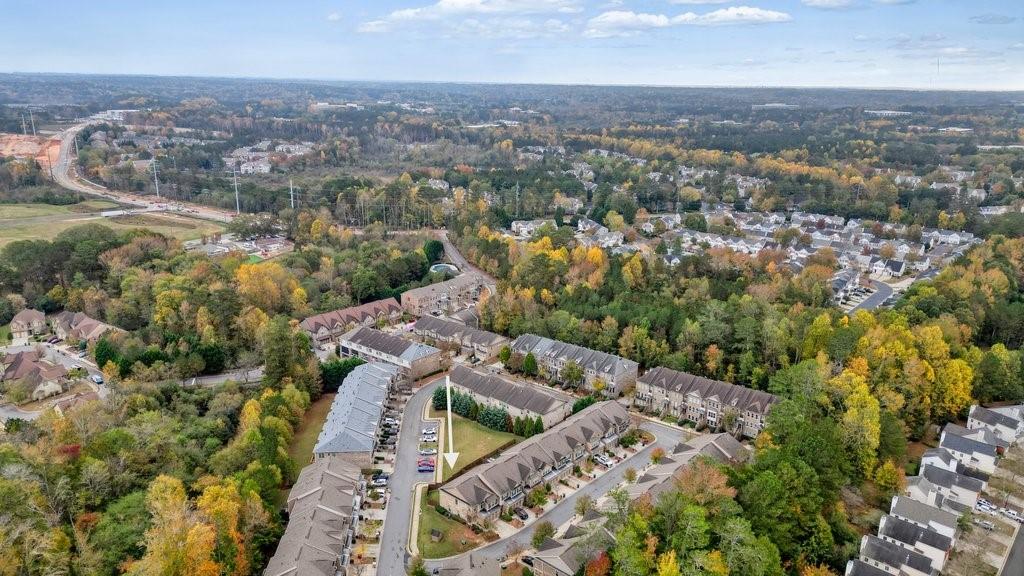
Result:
[[444, 297], [614, 372], [718, 405], [519, 399], [413, 358], [323, 328], [486, 490], [471, 341], [323, 517], [350, 431]]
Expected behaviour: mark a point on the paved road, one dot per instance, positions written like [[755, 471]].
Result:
[[882, 293], [667, 438], [395, 532], [58, 356], [460, 261], [1014, 565], [65, 173]]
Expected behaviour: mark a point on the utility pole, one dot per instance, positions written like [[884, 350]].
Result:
[[291, 193], [156, 178], [24, 128], [234, 175], [33, 120]]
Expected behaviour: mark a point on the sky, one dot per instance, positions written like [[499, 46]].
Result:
[[924, 44]]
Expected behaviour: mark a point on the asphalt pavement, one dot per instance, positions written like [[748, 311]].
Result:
[[1014, 565], [666, 437], [882, 293], [394, 537]]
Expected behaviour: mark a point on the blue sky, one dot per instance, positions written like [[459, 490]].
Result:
[[971, 44]]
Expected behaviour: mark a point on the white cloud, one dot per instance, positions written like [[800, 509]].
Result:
[[894, 2], [619, 23], [829, 4], [373, 27], [333, 17], [699, 1], [489, 14], [1017, 46]]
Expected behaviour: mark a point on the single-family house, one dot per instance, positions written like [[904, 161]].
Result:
[[28, 323]]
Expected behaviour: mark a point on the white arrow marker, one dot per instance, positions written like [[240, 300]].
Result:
[[450, 455]]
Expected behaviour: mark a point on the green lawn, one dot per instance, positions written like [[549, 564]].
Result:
[[454, 532], [10, 211], [472, 441], [301, 449], [173, 226]]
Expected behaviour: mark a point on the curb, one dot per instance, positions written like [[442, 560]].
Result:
[[414, 523]]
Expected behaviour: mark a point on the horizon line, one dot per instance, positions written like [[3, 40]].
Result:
[[516, 83]]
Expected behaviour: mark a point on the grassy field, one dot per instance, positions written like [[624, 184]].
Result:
[[11, 211], [472, 441], [301, 449], [174, 226], [457, 537]]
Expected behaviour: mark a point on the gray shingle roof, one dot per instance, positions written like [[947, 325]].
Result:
[[351, 425], [512, 393], [739, 397], [388, 344], [450, 329], [600, 362], [911, 534], [321, 506], [540, 452], [861, 568], [993, 418], [921, 513], [952, 441], [947, 479], [894, 555]]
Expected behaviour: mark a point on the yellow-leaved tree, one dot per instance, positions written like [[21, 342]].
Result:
[[178, 542]]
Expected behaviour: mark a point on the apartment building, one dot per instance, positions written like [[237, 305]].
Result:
[[518, 398], [350, 430], [415, 360], [324, 328], [444, 297], [718, 405], [323, 518], [470, 341], [486, 490], [616, 373]]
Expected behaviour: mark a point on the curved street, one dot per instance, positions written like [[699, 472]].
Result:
[[394, 553]]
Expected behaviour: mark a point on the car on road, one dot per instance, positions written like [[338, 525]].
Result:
[[96, 378], [521, 514], [428, 451]]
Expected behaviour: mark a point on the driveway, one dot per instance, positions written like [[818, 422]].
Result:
[[882, 293], [667, 438], [394, 536]]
